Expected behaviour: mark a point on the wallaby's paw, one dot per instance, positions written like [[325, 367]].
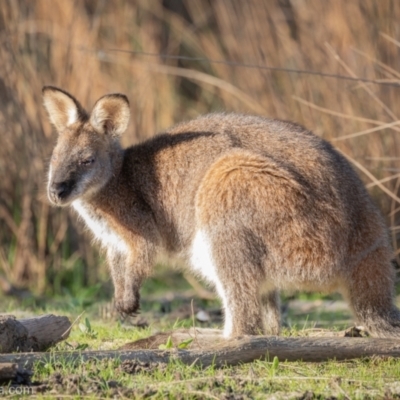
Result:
[[356, 331], [128, 306]]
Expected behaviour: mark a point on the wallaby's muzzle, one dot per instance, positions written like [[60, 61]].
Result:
[[60, 191]]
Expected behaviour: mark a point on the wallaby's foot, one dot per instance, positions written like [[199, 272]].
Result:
[[251, 327], [128, 305]]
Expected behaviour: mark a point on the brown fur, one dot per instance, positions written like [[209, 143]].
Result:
[[265, 205]]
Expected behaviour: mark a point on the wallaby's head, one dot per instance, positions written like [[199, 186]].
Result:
[[88, 147]]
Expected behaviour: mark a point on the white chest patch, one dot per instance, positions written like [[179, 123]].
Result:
[[100, 228], [202, 262]]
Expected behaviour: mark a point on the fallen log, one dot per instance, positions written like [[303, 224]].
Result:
[[11, 373], [233, 352], [8, 371], [32, 334]]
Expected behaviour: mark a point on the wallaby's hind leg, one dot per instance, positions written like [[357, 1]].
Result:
[[370, 293], [222, 262], [272, 313], [239, 281]]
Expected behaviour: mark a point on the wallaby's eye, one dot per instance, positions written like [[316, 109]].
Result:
[[87, 162], [53, 158]]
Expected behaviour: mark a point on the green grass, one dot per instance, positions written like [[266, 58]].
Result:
[[263, 379]]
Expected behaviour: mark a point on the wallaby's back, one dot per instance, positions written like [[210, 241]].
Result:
[[327, 185]]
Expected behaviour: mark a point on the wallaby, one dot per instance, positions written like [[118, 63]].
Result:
[[254, 205]]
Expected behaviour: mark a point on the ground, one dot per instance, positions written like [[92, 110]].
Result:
[[163, 309]]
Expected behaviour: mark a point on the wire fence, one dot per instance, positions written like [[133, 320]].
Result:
[[164, 56]]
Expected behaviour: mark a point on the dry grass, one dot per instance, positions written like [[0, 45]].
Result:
[[67, 43]]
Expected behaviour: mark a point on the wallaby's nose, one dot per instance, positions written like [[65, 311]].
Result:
[[60, 190]]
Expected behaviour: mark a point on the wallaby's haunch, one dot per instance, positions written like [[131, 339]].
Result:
[[254, 205]]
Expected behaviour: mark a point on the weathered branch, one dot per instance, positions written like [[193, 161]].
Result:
[[8, 371], [37, 333], [246, 349], [11, 373], [47, 329]]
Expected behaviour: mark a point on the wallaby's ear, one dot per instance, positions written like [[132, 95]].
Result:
[[63, 109], [110, 114]]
